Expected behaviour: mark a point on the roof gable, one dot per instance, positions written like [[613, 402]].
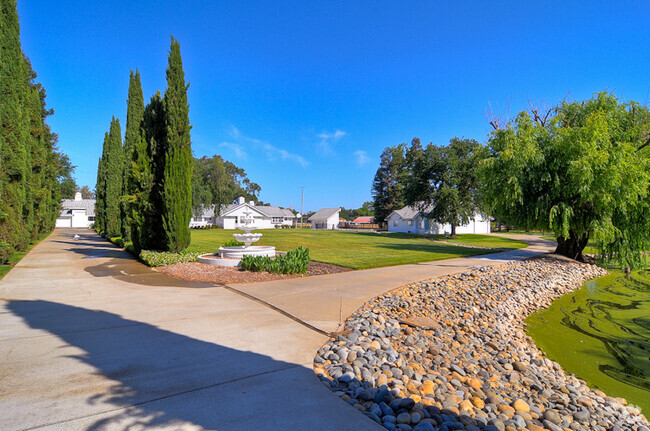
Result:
[[236, 209], [324, 213]]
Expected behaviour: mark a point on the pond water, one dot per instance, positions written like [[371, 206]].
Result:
[[601, 333]]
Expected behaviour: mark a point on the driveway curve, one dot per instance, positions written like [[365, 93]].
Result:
[[90, 339]]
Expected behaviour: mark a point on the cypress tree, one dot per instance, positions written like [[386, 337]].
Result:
[[29, 176], [134, 114], [41, 205], [100, 190], [14, 133], [113, 171], [177, 178], [146, 209]]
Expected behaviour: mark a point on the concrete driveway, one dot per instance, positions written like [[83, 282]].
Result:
[[90, 339]]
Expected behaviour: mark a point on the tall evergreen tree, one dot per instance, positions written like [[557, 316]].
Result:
[[100, 190], [147, 169], [113, 171], [29, 162], [134, 114], [14, 134], [177, 179]]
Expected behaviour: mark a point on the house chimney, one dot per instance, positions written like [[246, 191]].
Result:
[[241, 200], [251, 203], [77, 196]]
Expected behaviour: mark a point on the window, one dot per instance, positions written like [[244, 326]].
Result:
[[277, 220], [91, 218], [395, 222], [410, 222]]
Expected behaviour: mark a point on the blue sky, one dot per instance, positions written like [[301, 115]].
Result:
[[302, 93]]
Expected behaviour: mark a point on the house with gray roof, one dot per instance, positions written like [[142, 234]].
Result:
[[232, 216], [76, 213], [410, 219], [325, 218]]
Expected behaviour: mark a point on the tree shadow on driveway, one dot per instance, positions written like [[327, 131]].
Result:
[[148, 377]]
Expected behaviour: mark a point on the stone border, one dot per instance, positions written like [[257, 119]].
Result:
[[470, 365]]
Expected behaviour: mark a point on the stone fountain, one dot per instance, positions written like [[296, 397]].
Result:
[[231, 256]]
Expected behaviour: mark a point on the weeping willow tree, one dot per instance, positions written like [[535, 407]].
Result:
[[580, 170]]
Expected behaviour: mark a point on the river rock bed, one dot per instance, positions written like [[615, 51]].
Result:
[[451, 354]]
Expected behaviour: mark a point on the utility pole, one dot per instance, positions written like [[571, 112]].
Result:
[[302, 195]]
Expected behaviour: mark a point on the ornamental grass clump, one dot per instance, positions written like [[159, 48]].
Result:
[[294, 262], [164, 258]]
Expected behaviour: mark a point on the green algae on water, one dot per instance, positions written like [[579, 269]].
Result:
[[601, 333]]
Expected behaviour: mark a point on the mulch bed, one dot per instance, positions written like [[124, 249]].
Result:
[[204, 273]]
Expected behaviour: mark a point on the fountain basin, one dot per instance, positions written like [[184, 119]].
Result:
[[231, 256], [238, 252]]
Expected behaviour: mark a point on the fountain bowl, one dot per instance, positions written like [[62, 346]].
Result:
[[231, 256]]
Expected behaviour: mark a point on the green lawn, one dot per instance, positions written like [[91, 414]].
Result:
[[360, 250], [4, 269]]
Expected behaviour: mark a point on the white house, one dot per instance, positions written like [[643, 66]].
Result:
[[231, 216], [325, 218], [410, 220], [77, 212]]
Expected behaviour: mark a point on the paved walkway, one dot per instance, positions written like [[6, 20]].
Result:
[[92, 340]]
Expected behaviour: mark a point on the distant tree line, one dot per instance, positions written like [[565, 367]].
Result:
[[441, 182], [33, 173], [578, 169], [364, 211], [219, 182]]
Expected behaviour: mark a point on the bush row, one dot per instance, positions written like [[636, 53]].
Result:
[[163, 258], [155, 258], [294, 262]]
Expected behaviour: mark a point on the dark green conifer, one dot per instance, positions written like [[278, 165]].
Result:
[[14, 133], [148, 168], [134, 113], [100, 190], [113, 171], [177, 179]]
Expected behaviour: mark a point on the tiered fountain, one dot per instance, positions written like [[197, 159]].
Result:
[[231, 256]]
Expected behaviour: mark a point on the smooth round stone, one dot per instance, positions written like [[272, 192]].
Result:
[[389, 418], [521, 405], [581, 416], [424, 426], [404, 418], [383, 396], [407, 403]]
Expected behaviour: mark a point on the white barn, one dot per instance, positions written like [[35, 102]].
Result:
[[76, 213], [410, 220], [325, 218], [231, 216]]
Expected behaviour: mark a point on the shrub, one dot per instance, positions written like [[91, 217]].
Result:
[[128, 246], [232, 243], [6, 251], [294, 262], [117, 240], [163, 258]]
